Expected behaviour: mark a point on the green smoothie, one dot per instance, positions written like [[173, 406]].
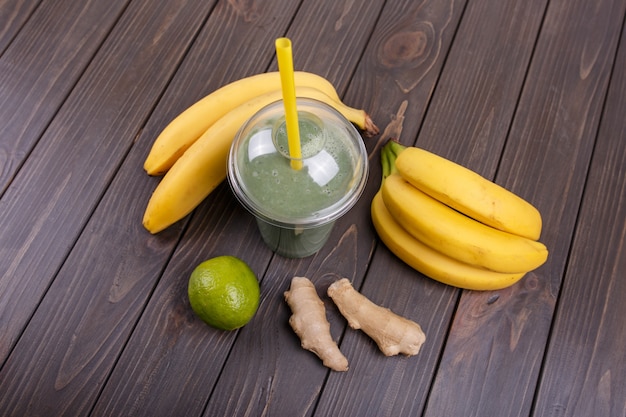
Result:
[[296, 209]]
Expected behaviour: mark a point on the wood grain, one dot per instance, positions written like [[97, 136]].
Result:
[[504, 363], [94, 314], [39, 69], [411, 44], [64, 179], [584, 372], [175, 348], [264, 370], [13, 15], [152, 396]]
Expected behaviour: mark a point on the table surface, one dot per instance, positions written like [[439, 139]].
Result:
[[94, 315]]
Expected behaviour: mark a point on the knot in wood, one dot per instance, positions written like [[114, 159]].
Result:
[[405, 48]]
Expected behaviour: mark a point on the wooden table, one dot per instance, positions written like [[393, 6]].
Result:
[[94, 314]]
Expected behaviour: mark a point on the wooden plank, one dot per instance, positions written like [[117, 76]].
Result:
[[492, 359], [158, 365], [51, 200], [36, 75], [41, 66], [13, 14], [467, 121], [584, 373]]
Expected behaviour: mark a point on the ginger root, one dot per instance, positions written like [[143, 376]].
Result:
[[392, 333], [310, 324]]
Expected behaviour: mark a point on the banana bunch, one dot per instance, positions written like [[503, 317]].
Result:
[[452, 224], [192, 151]]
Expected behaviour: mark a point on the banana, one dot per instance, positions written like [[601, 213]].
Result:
[[203, 166], [186, 128], [456, 235], [430, 262], [468, 192]]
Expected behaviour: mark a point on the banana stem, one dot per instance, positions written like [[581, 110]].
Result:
[[385, 163], [388, 156]]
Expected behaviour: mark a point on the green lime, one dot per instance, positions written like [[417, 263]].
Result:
[[224, 292]]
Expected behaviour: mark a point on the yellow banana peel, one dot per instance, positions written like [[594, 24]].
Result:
[[431, 263], [468, 192], [203, 166], [456, 235], [187, 127]]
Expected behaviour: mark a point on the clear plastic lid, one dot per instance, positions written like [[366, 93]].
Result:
[[334, 159]]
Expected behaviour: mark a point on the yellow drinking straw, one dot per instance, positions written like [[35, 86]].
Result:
[[285, 68]]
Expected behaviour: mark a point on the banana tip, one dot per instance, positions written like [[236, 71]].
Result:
[[370, 127]]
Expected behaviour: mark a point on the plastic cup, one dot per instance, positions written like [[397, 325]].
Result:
[[296, 209]]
